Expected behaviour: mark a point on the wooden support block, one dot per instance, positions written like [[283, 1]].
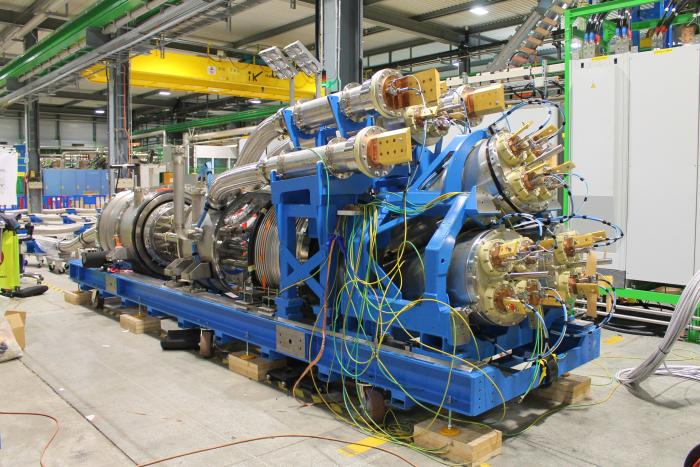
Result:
[[252, 366], [78, 297], [139, 324], [470, 445], [568, 389], [550, 21]]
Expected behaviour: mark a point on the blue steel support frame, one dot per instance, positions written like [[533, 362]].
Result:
[[409, 379]]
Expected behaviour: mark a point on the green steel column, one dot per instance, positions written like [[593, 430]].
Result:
[[99, 15]]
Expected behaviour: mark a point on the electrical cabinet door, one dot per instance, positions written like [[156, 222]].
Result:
[[67, 182], [598, 144], [80, 182], [663, 173], [92, 181], [52, 181], [104, 182]]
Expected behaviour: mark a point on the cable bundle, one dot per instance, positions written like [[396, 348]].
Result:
[[688, 303]]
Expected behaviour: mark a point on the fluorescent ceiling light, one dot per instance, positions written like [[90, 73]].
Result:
[[99, 111], [479, 11], [254, 101], [163, 92]]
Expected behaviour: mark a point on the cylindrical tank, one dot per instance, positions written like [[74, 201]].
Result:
[[142, 223], [241, 243], [482, 276]]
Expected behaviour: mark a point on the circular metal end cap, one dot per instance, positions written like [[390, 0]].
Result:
[[378, 86]]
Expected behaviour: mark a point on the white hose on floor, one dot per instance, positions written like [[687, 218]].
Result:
[[687, 304]]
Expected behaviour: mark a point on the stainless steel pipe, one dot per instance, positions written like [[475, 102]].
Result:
[[339, 158], [179, 192]]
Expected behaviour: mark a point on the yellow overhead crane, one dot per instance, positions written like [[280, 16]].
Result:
[[208, 75]]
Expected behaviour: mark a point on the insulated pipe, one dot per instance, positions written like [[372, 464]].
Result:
[[225, 134], [151, 134], [270, 128], [84, 240]]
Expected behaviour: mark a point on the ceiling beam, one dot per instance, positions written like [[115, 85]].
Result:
[[500, 24], [244, 5], [440, 13], [429, 30], [99, 97], [263, 35], [14, 18], [471, 31], [451, 10], [391, 19], [59, 110], [392, 47], [448, 54]]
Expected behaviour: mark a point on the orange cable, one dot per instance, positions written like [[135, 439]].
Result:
[[259, 438], [53, 436]]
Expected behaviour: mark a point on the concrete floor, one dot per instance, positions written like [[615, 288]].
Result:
[[121, 400]]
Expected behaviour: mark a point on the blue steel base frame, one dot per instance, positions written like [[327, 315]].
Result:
[[423, 377]]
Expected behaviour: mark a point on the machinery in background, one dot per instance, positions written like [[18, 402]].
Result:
[[12, 263], [352, 236], [610, 96], [75, 188]]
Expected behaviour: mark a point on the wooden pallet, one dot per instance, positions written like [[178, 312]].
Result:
[[252, 366], [569, 389], [472, 445], [78, 297], [468, 446], [139, 324]]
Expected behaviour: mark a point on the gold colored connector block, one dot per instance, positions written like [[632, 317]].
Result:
[[527, 124], [390, 147], [561, 168], [429, 81], [487, 100], [508, 249], [587, 240], [544, 133]]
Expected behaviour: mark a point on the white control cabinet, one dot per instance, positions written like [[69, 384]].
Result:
[[663, 171], [598, 143], [635, 136]]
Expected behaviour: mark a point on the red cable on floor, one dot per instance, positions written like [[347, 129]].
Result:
[[53, 436], [243, 441]]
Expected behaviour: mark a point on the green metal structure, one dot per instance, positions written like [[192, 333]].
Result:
[[97, 16], [242, 116], [569, 17]]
